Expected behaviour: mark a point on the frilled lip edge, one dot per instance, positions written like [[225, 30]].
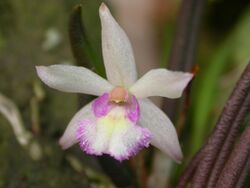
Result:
[[118, 134], [126, 150]]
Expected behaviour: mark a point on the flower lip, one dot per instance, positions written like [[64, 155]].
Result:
[[119, 95]]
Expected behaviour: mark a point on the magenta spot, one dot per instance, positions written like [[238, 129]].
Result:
[[101, 105], [133, 110]]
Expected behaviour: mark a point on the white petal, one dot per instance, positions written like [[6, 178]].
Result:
[[164, 135], [75, 79], [69, 136], [161, 82], [117, 51]]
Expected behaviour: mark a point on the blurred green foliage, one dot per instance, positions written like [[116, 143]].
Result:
[[217, 77]]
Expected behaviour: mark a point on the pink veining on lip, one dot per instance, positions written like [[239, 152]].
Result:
[[80, 134]]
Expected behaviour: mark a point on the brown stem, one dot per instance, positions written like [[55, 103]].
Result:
[[237, 160], [243, 175], [182, 56], [185, 42], [229, 142], [189, 171], [223, 125]]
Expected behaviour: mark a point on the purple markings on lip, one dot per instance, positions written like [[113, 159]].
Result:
[[133, 110], [101, 105]]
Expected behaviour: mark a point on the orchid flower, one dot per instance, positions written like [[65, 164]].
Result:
[[121, 121]]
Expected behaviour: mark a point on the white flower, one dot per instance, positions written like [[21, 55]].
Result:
[[121, 121]]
